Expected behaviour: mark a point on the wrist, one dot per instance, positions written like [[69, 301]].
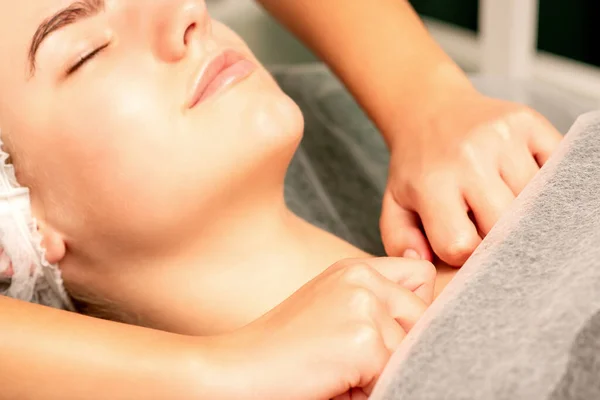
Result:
[[222, 367], [202, 368], [422, 100]]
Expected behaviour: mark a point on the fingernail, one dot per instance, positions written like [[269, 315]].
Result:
[[410, 253]]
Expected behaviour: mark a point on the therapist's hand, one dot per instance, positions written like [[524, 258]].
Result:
[[336, 333], [455, 169]]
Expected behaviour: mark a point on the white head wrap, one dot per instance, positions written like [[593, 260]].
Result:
[[32, 279]]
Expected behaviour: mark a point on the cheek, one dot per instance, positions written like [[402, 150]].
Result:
[[111, 127], [125, 150], [101, 148]]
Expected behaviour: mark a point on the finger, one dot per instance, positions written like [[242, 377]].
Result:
[[488, 199], [345, 396], [401, 231], [544, 140], [359, 394], [353, 394], [518, 170], [452, 235], [401, 304], [415, 275], [391, 331], [405, 307]]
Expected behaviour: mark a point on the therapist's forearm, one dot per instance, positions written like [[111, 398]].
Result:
[[52, 354], [382, 52]]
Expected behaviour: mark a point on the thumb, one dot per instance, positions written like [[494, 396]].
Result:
[[401, 231]]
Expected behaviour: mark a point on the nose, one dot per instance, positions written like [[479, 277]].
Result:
[[181, 24]]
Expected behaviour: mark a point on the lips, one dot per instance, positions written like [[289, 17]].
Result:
[[222, 72]]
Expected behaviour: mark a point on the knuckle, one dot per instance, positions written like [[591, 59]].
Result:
[[363, 302], [427, 271], [366, 336], [430, 183], [500, 131], [367, 341], [469, 152], [411, 188], [342, 264], [358, 273], [368, 350]]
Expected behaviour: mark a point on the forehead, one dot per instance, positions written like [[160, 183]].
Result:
[[33, 11], [24, 17], [18, 23]]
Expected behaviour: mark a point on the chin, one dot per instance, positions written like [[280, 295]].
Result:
[[278, 128], [290, 117], [284, 125], [275, 117]]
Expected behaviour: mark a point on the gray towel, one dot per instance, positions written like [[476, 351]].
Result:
[[521, 320]]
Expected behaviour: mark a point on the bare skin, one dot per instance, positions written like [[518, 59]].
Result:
[[453, 150], [174, 216], [125, 180]]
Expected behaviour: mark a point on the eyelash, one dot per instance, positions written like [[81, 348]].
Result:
[[84, 59]]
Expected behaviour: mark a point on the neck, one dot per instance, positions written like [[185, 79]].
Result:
[[230, 273]]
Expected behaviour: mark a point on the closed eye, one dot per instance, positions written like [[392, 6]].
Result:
[[84, 59]]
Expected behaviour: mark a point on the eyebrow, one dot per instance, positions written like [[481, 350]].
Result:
[[77, 11]]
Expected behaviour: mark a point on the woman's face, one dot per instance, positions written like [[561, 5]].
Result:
[[95, 111]]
